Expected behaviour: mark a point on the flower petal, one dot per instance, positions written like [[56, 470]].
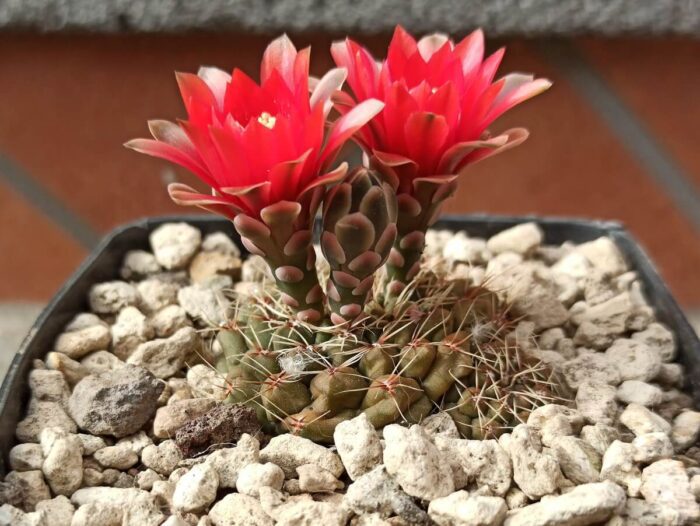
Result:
[[196, 95], [254, 197], [426, 134], [279, 56], [331, 177], [172, 134], [166, 151], [327, 86], [516, 89], [452, 157], [285, 178], [515, 136], [187, 196], [471, 52], [429, 44], [346, 126], [217, 80]]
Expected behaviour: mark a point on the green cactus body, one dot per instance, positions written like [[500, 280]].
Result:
[[395, 365]]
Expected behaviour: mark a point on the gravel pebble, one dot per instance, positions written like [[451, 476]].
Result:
[[619, 466], [254, 476], [535, 472], [171, 417], [587, 504], [196, 490], [116, 403], [641, 420], [174, 244], [112, 296], [137, 264], [237, 509], [26, 457], [358, 445], [416, 464], [313, 479], [637, 392], [229, 462], [462, 509], [291, 451], [686, 429], [162, 458], [665, 483]]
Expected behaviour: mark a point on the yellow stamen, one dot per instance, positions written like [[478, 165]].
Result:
[[267, 120]]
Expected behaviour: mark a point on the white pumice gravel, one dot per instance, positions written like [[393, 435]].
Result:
[[97, 442]]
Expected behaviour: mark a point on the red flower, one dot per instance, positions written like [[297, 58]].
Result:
[[439, 98], [256, 145]]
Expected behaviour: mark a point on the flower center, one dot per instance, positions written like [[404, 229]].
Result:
[[267, 120]]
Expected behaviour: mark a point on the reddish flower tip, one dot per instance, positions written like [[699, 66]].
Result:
[[256, 144], [439, 97]]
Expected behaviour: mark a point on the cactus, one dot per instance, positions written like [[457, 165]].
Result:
[[359, 228], [395, 348], [444, 346]]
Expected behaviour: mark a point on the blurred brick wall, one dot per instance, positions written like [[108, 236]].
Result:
[[70, 101]]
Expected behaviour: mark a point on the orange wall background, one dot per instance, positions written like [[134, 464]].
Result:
[[70, 101]]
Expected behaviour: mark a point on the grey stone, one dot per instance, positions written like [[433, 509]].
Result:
[[578, 460], [619, 466], [600, 436], [637, 392], [165, 357], [205, 302], [116, 403], [596, 402], [112, 296], [686, 429], [521, 239], [174, 244], [157, 294], [59, 510], [137, 264], [174, 415], [236, 509], [130, 330], [634, 359], [665, 483], [63, 460], [415, 463], [641, 420], [196, 490], [358, 445], [162, 458], [79, 342], [652, 447], [41, 415], [587, 504], [229, 462], [377, 492], [254, 476], [483, 462], [462, 509], [313, 479], [534, 471], [26, 457], [169, 320], [33, 487], [659, 339], [291, 451]]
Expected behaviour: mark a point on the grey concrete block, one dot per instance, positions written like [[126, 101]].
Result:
[[497, 17]]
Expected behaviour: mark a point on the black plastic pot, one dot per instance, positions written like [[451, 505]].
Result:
[[104, 263]]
